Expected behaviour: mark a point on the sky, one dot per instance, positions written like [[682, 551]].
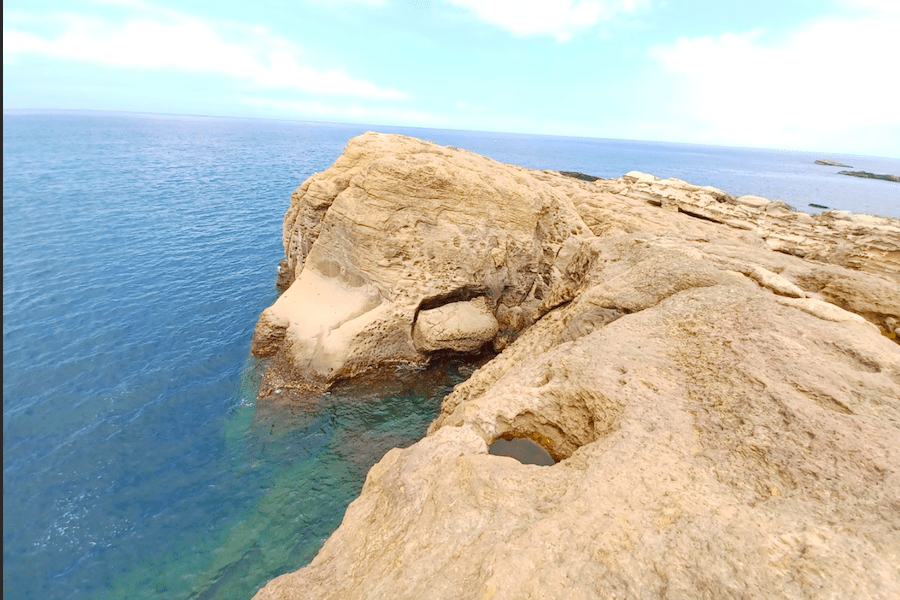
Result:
[[789, 74]]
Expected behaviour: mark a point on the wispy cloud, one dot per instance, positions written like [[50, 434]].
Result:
[[831, 79], [561, 19], [162, 39]]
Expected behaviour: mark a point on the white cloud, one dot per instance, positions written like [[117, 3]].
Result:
[[557, 18], [882, 6], [830, 84], [170, 40]]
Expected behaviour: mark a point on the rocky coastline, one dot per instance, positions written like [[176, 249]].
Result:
[[867, 175], [717, 379]]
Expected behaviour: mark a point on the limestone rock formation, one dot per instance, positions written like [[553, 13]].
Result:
[[459, 326], [398, 226], [718, 379]]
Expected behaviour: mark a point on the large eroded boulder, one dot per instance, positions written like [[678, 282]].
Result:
[[458, 326], [398, 226]]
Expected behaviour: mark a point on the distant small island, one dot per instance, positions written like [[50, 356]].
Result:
[[867, 175], [831, 163]]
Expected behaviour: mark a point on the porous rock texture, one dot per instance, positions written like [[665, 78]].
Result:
[[458, 326], [717, 377], [397, 226]]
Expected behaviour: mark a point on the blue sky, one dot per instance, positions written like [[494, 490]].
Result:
[[794, 74]]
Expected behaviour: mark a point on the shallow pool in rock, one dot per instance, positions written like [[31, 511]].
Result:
[[524, 450]]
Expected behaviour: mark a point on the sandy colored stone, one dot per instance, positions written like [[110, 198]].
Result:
[[753, 201], [459, 326], [716, 443], [716, 378], [395, 225], [398, 224]]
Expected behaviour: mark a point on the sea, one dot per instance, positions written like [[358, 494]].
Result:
[[138, 252]]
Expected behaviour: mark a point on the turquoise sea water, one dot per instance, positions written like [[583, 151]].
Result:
[[138, 251]]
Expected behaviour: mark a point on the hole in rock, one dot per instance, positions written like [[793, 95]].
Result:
[[462, 294], [524, 450]]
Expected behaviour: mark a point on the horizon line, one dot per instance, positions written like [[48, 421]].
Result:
[[132, 113]]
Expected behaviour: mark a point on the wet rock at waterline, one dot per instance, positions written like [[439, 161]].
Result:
[[714, 379]]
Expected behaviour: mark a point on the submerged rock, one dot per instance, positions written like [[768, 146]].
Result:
[[713, 377]]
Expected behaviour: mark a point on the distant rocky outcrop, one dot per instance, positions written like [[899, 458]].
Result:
[[867, 175], [717, 378], [831, 163]]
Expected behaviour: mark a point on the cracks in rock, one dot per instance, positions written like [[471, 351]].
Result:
[[699, 216], [285, 276], [461, 294], [465, 293], [588, 321], [478, 357]]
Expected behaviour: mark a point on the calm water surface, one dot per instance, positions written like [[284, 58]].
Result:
[[138, 252]]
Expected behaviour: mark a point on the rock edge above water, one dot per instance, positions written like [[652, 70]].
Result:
[[713, 374]]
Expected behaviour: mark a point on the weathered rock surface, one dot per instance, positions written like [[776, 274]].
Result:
[[459, 326], [714, 376], [831, 163], [397, 226]]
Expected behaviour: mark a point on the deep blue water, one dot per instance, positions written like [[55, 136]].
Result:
[[138, 252]]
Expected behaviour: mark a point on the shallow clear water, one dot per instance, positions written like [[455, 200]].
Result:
[[138, 252]]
